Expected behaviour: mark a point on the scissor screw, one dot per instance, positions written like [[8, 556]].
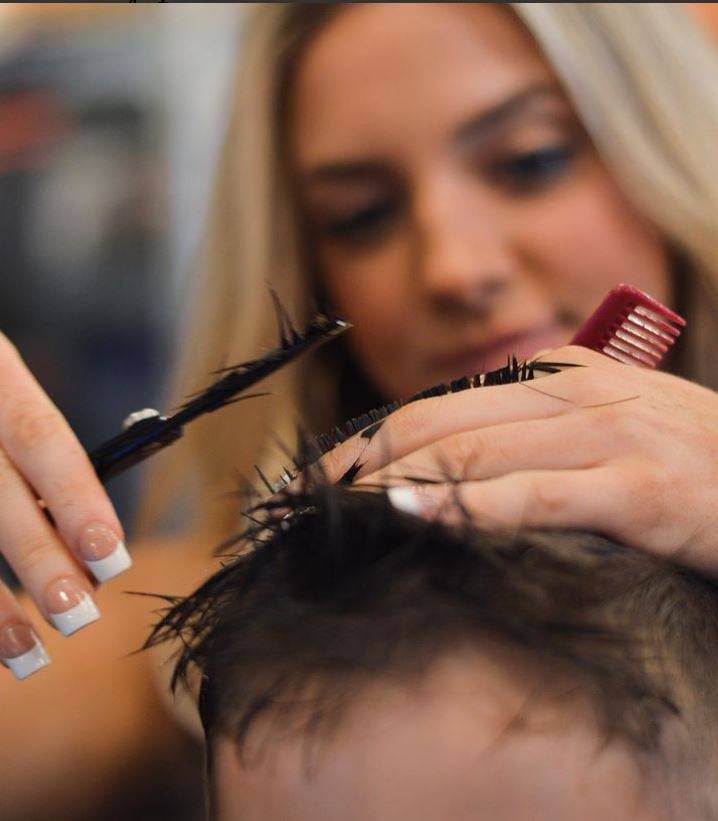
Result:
[[138, 416]]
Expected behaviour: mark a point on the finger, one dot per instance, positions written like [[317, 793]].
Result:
[[578, 355], [42, 563], [577, 499], [428, 420], [563, 442], [44, 450], [21, 650]]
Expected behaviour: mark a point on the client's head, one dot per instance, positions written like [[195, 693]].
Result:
[[359, 663]]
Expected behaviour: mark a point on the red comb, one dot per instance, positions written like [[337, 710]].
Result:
[[632, 327]]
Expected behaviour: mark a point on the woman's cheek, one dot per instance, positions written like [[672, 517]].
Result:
[[588, 239], [379, 302], [383, 319], [372, 289]]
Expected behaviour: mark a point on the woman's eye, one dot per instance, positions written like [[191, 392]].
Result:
[[362, 225], [530, 171]]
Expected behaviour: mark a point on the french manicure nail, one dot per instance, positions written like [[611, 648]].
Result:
[[410, 500], [21, 650], [104, 554], [69, 606], [404, 498]]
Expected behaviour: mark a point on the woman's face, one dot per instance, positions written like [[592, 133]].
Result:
[[458, 212]]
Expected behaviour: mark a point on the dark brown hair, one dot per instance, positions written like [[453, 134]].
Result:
[[335, 588]]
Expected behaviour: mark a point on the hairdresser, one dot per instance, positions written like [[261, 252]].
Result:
[[462, 182]]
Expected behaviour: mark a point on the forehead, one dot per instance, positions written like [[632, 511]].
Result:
[[448, 748], [378, 73]]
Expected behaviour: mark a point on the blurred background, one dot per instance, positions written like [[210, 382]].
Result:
[[110, 118]]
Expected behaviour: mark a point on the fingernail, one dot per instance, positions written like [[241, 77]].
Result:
[[21, 651], [410, 500], [69, 605], [404, 499], [104, 554]]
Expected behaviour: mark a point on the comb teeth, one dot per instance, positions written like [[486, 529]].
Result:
[[626, 352], [632, 327], [643, 338]]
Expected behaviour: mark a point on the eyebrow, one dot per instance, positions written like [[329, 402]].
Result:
[[481, 126], [500, 115], [345, 171]]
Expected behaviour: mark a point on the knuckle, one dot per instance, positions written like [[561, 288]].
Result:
[[620, 422], [67, 494], [645, 489], [335, 463], [463, 453], [652, 484], [29, 426], [32, 553], [615, 419], [413, 417], [546, 497]]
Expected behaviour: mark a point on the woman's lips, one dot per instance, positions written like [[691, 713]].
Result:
[[494, 355]]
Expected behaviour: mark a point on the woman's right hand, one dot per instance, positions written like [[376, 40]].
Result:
[[58, 566]]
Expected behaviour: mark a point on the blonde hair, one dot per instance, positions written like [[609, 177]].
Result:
[[641, 77]]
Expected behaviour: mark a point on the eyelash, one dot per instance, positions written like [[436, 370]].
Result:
[[362, 225], [531, 171], [521, 174]]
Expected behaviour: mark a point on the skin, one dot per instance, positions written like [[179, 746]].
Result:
[[465, 259], [426, 241], [478, 738], [52, 755], [441, 233], [456, 234], [41, 457]]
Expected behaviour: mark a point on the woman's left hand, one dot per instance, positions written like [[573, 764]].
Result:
[[625, 451]]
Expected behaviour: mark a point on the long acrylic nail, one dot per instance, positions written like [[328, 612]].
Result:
[[411, 499], [70, 606], [21, 650], [103, 553]]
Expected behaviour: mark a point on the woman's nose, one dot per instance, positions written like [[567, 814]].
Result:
[[463, 257]]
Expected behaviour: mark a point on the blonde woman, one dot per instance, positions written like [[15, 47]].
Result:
[[462, 182]]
